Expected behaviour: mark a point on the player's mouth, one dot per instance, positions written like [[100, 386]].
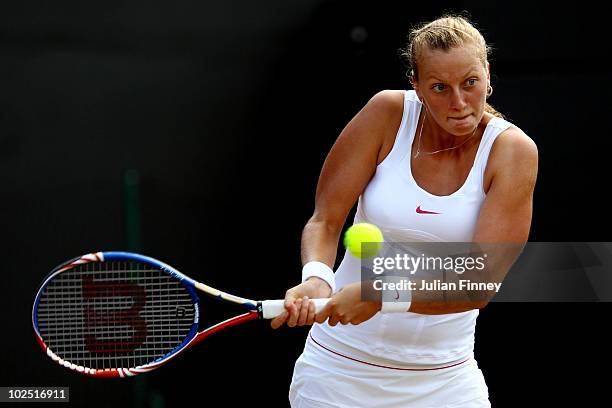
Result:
[[459, 117]]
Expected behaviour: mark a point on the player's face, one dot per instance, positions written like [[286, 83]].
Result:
[[453, 86]]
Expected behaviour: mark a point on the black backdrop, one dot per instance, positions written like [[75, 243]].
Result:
[[225, 111]]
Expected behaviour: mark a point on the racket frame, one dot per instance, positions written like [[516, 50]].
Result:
[[193, 337]]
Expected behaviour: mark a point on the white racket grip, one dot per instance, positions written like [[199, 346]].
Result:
[[272, 308]]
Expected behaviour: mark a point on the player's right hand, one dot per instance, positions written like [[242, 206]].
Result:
[[299, 311]]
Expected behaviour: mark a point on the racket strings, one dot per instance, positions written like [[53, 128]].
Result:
[[114, 314]]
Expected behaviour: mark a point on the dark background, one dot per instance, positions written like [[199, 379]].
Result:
[[225, 112]]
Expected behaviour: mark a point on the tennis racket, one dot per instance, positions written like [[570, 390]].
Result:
[[119, 314]]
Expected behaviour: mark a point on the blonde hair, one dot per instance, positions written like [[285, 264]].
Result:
[[444, 33]]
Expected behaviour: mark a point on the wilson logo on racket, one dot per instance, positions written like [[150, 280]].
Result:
[[118, 314], [180, 312], [111, 297]]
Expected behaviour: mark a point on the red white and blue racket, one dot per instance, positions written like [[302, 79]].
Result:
[[118, 314]]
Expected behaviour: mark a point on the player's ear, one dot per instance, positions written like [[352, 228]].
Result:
[[415, 85], [412, 79]]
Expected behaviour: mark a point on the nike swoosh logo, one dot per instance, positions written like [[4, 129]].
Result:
[[419, 211]]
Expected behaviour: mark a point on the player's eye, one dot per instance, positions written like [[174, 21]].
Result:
[[438, 87], [471, 81]]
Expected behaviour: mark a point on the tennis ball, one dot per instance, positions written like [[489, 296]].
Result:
[[363, 233]]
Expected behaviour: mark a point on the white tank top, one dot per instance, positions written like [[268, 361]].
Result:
[[403, 210]]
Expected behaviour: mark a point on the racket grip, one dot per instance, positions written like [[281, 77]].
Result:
[[272, 308]]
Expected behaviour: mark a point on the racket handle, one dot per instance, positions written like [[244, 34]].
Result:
[[272, 308]]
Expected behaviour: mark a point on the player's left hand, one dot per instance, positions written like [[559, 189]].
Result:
[[347, 306]]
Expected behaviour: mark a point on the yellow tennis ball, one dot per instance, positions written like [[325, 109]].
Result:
[[363, 233]]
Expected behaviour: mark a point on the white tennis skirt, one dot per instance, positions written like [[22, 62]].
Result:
[[324, 378]]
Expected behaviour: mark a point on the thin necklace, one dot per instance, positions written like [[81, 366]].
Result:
[[418, 152]]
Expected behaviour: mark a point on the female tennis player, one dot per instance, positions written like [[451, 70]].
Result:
[[436, 163]]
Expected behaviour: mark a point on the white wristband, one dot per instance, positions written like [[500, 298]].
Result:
[[395, 307], [395, 300], [320, 270]]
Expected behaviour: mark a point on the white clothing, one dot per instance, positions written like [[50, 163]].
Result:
[[402, 359]]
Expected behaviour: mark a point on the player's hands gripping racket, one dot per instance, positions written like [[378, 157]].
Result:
[[118, 314]]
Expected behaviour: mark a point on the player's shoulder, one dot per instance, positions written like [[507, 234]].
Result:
[[514, 157], [389, 96], [387, 102], [514, 146]]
